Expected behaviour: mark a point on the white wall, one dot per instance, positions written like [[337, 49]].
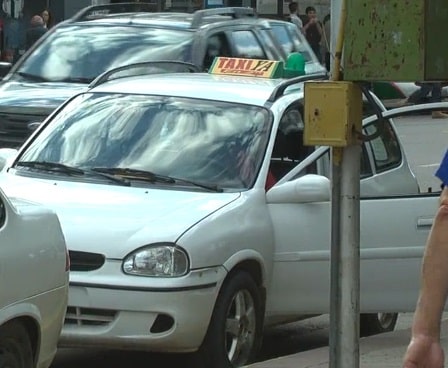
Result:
[[270, 6]]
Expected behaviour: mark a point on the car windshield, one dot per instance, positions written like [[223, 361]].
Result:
[[208, 142], [74, 53]]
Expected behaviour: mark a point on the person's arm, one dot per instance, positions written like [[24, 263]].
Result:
[[424, 350], [307, 25], [434, 287], [319, 27]]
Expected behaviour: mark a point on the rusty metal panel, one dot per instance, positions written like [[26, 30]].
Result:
[[333, 111], [398, 40], [436, 40]]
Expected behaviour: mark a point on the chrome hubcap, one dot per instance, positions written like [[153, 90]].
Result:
[[240, 328], [386, 319]]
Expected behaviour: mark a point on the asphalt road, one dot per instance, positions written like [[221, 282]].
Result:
[[279, 341], [425, 141]]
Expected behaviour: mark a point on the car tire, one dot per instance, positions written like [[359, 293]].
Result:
[[376, 323], [234, 334], [15, 346]]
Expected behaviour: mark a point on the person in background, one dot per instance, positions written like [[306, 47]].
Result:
[[294, 15], [424, 349], [313, 31], [46, 16], [37, 30], [435, 88]]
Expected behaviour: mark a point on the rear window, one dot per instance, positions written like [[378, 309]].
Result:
[[77, 53], [385, 148], [290, 41]]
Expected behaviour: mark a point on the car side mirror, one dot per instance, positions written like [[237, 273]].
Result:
[[5, 67], [306, 189], [6, 156]]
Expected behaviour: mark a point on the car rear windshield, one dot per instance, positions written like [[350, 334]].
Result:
[[212, 142], [292, 45], [75, 53]]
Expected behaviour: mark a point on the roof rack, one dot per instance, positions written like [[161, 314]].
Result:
[[234, 12], [161, 66], [100, 11], [280, 89]]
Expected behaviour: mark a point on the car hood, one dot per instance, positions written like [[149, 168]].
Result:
[[114, 220], [36, 98]]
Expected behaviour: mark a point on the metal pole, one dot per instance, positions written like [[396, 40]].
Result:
[[345, 236], [345, 258], [335, 13], [336, 174], [349, 262], [335, 300]]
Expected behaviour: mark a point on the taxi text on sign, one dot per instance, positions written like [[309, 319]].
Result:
[[247, 67]]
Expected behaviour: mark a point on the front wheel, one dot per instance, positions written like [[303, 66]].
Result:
[[234, 334], [15, 346], [376, 323]]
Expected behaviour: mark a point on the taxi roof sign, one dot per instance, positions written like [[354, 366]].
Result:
[[247, 67]]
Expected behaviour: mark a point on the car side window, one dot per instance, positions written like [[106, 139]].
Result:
[[217, 45], [283, 37], [2, 213], [366, 167], [247, 45], [385, 146], [322, 165], [289, 149]]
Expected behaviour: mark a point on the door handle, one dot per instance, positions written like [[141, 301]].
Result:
[[425, 222]]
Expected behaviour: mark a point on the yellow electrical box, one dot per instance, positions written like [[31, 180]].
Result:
[[333, 112]]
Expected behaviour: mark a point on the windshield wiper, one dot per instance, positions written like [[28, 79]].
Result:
[[152, 177], [33, 77], [69, 170]]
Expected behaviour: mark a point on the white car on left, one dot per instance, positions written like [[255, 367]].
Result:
[[34, 270]]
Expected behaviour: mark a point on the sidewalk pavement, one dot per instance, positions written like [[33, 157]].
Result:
[[379, 351]]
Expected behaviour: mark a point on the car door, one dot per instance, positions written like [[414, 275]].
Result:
[[31, 251], [393, 234], [15, 257]]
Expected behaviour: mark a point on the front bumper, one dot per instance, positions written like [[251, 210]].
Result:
[[108, 309]]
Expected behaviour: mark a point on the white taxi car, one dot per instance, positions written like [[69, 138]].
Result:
[[33, 283], [195, 216]]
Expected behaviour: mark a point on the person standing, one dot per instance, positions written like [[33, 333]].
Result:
[[37, 30], [294, 15], [14, 28], [424, 349], [313, 31], [46, 16], [435, 88]]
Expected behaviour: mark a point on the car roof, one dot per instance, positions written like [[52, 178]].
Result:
[[170, 20], [107, 14], [236, 89]]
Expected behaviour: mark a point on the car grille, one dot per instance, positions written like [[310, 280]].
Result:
[[89, 316], [85, 261], [14, 128]]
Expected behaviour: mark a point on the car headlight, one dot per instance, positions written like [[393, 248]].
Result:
[[157, 260]]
